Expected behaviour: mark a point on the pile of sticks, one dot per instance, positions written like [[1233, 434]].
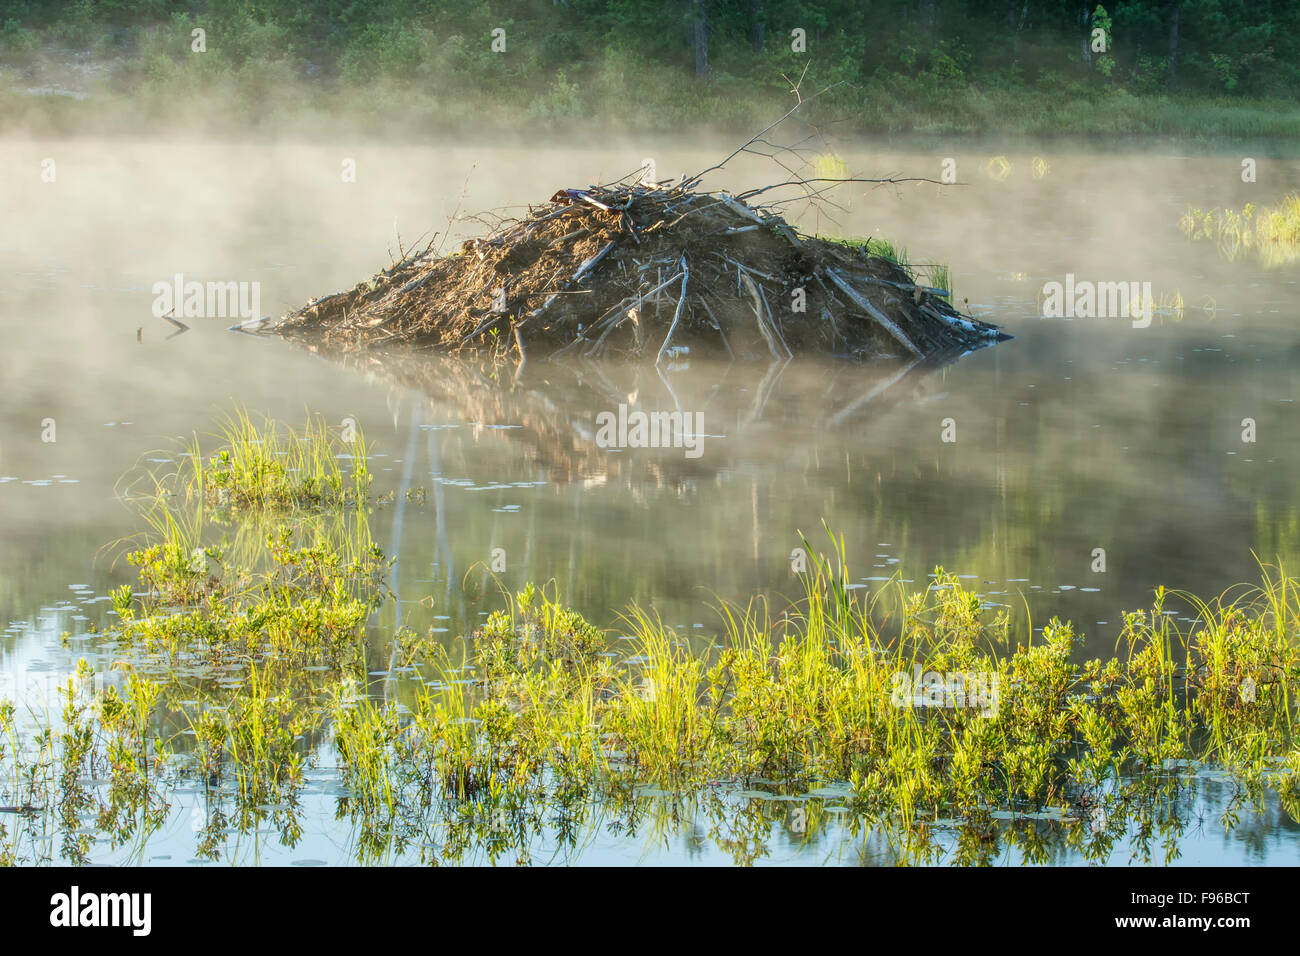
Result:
[[645, 269]]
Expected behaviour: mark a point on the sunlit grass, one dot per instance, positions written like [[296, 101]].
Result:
[[265, 466], [915, 701], [1272, 233], [872, 246], [941, 278], [939, 275]]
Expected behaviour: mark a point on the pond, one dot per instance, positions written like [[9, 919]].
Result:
[[1066, 472]]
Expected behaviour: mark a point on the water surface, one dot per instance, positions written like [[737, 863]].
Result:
[[1077, 435]]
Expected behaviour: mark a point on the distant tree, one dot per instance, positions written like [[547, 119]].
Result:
[[757, 25], [1173, 45], [700, 38]]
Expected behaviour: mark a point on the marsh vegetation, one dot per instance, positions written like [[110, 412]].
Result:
[[243, 673], [1270, 233]]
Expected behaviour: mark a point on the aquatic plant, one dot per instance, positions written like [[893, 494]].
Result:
[[245, 666], [816, 698], [941, 278], [265, 466], [307, 591], [1272, 232]]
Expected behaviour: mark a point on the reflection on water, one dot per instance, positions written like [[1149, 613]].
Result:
[[552, 414], [1016, 467], [1068, 486]]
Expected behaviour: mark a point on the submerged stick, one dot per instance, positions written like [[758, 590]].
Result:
[[523, 353]]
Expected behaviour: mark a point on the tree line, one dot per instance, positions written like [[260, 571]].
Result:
[[1207, 47]]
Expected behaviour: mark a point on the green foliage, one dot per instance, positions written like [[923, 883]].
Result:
[[536, 632], [632, 61], [247, 663], [268, 468]]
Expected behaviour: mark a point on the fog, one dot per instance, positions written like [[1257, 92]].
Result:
[[83, 347]]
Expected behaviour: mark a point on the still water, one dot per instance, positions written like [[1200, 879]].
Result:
[[1090, 462]]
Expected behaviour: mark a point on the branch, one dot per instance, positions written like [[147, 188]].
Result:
[[693, 180], [849, 179]]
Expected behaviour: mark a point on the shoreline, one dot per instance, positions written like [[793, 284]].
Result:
[[69, 93]]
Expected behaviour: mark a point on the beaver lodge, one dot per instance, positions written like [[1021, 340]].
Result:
[[645, 270]]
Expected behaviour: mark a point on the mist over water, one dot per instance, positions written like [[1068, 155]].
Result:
[[1076, 435]]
